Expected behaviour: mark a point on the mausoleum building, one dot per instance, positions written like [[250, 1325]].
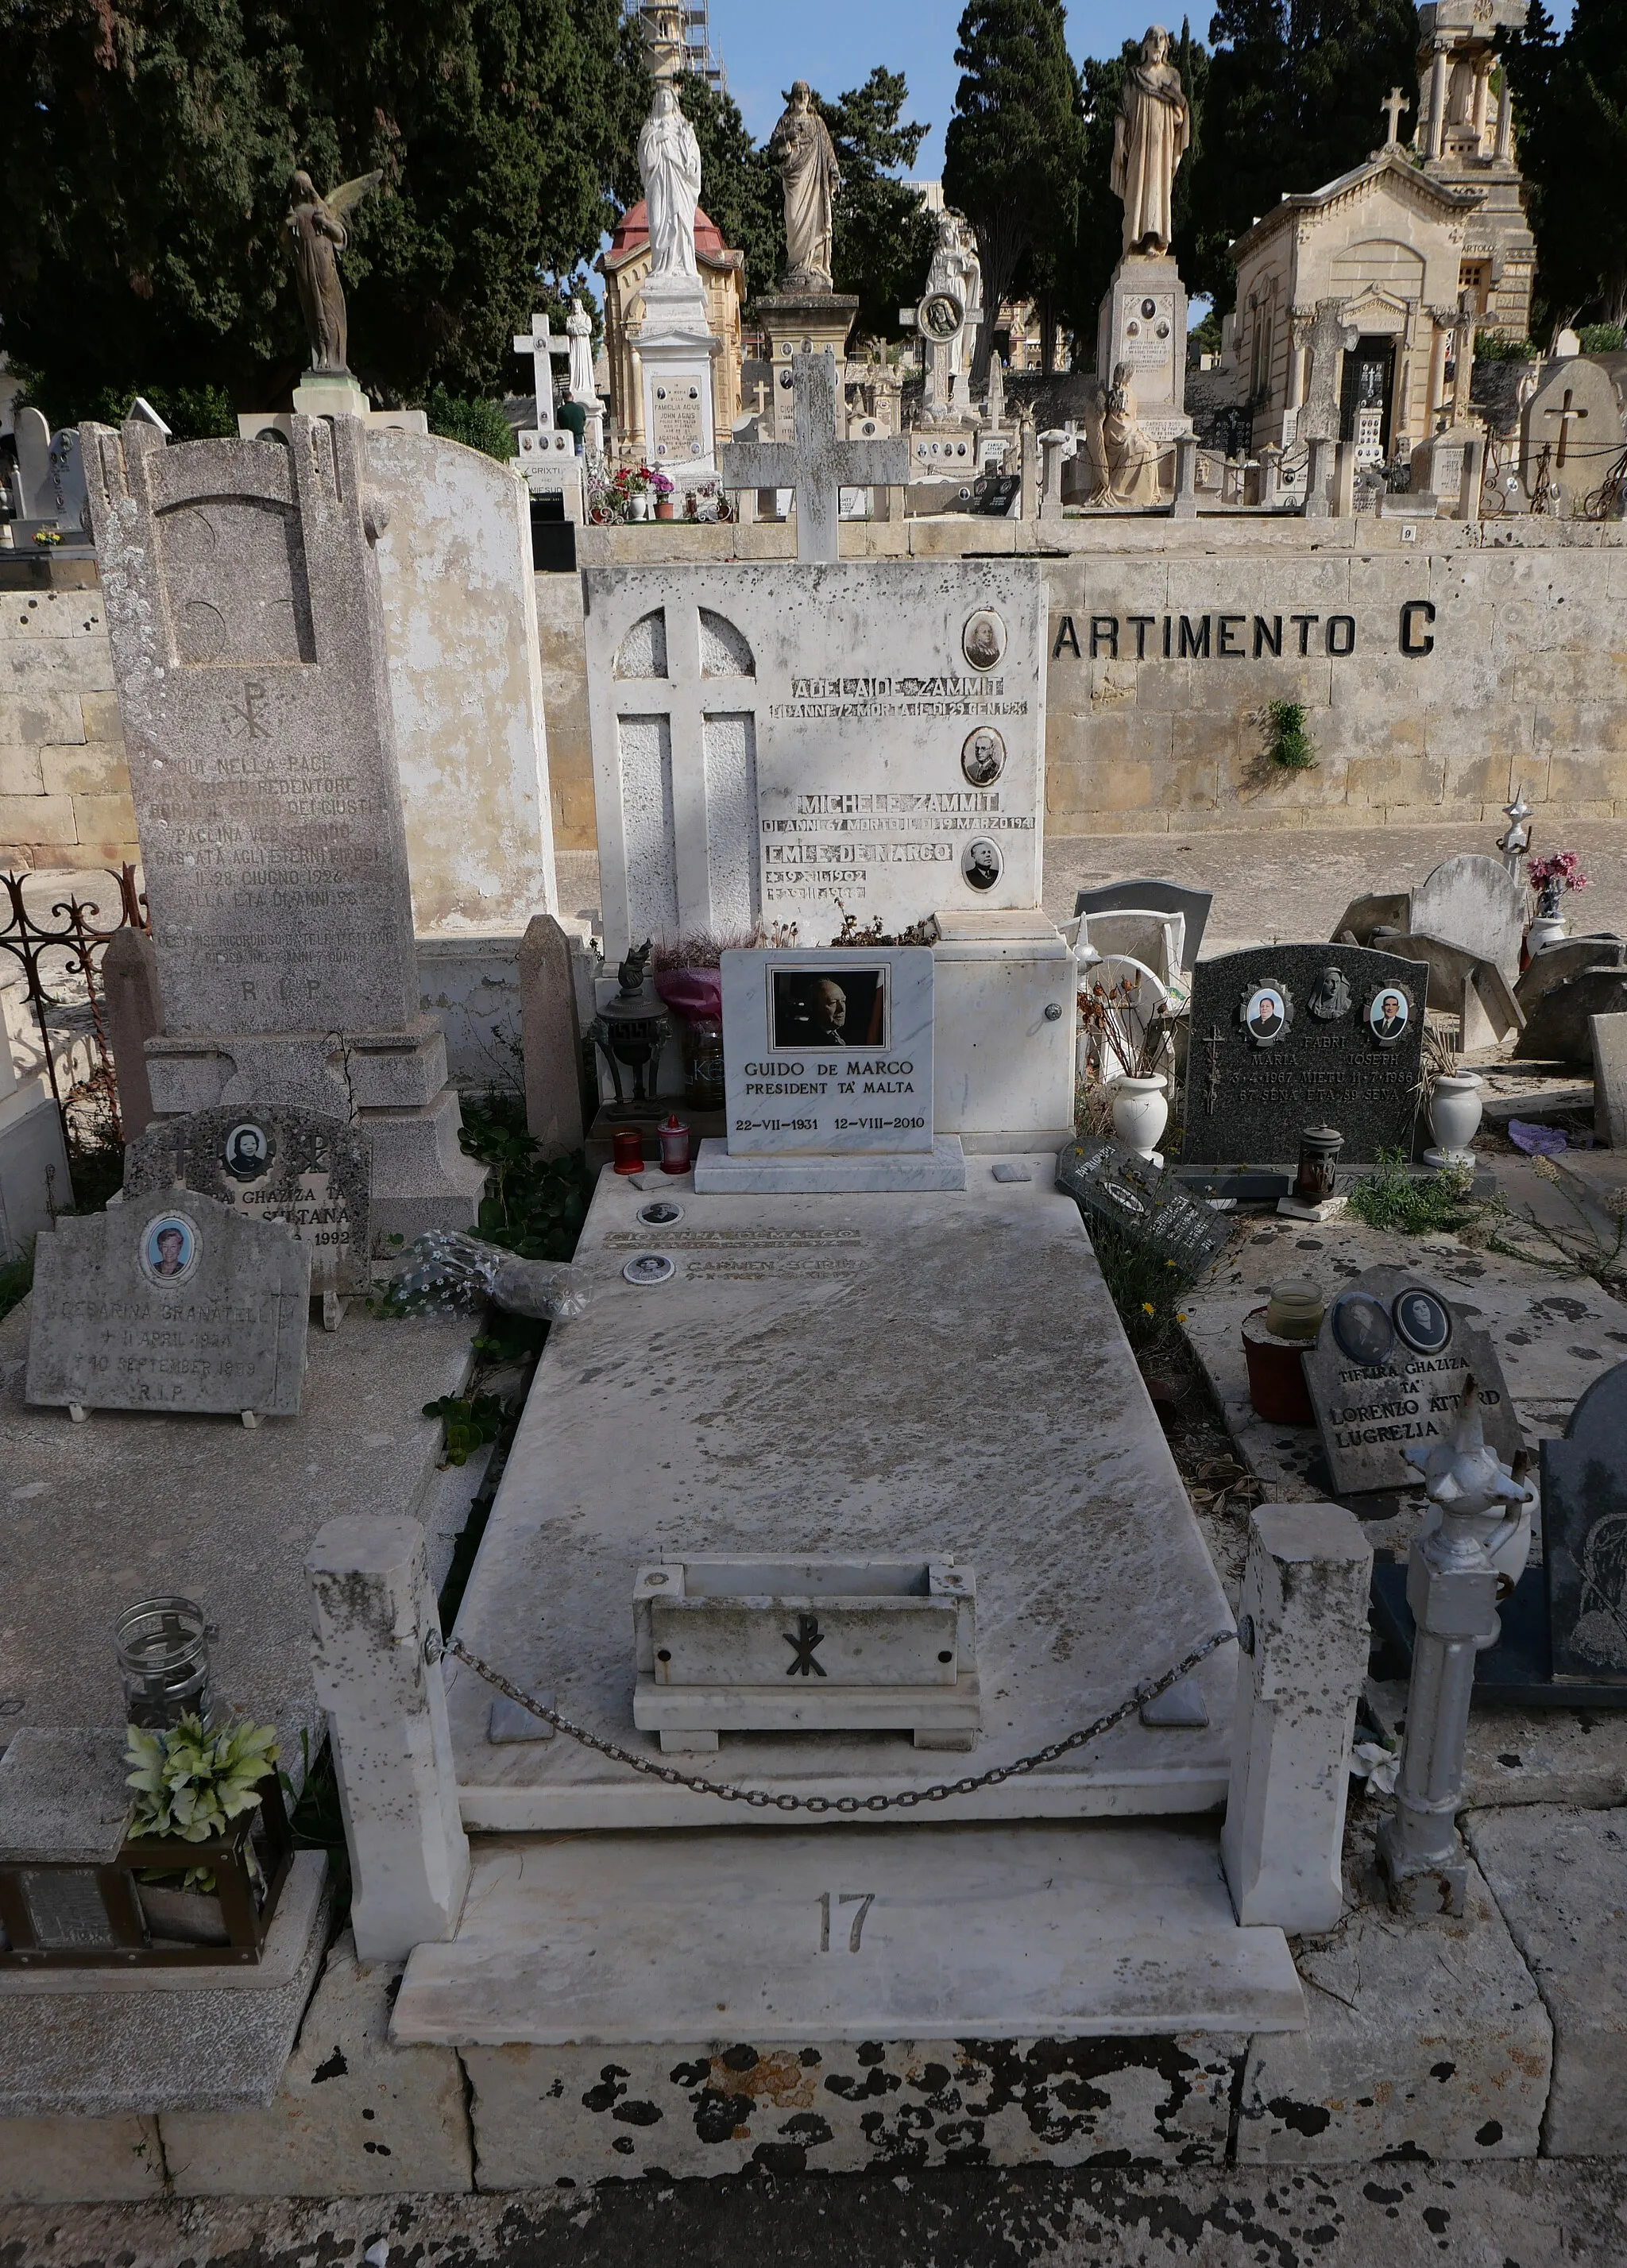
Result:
[[624, 265]]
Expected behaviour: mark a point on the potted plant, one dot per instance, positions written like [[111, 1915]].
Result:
[[1550, 877], [663, 488], [191, 1788]]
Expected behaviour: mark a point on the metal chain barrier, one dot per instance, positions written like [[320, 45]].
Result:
[[759, 1799]]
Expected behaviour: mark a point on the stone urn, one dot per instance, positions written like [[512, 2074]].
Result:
[[1545, 930], [1140, 1113], [640, 507], [1454, 1117]]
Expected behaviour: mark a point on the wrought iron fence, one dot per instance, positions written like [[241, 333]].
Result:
[[60, 955]]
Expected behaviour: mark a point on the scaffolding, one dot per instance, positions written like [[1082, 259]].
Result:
[[679, 39]]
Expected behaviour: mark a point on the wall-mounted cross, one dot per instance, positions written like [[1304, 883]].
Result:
[[1564, 413], [540, 344], [1392, 106], [815, 463]]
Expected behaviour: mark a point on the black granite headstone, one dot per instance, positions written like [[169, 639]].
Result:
[[1285, 1036], [1386, 1374], [1129, 1194], [274, 1163], [1585, 1537]]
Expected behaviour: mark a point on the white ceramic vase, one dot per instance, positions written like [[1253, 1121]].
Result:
[[1545, 930], [1140, 1113], [1453, 1118]]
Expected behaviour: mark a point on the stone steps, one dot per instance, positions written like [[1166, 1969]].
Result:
[[849, 1933]]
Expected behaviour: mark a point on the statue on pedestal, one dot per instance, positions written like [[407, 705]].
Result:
[[801, 147], [317, 227], [669, 164], [579, 331], [1150, 135]]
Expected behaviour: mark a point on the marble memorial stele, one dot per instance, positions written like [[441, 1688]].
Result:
[[1285, 1036], [1386, 1374], [272, 1162], [170, 1302], [243, 607], [828, 1073]]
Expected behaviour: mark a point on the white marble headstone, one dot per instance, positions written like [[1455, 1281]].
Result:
[[828, 1053]]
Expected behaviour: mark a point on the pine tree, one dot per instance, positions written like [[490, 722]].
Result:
[[1012, 152]]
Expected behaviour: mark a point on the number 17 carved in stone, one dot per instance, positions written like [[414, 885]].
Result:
[[862, 1899]]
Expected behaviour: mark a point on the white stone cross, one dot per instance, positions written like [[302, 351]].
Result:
[[1394, 104], [816, 464], [544, 350], [1564, 413]]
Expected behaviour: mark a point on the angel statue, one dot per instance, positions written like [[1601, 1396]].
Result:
[[316, 225]]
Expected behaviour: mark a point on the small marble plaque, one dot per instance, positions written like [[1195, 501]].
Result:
[[272, 1163], [828, 1052], [170, 1302], [1585, 1537], [1131, 1194], [1386, 1374]]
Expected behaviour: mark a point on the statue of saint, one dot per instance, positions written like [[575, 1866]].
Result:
[[1150, 134], [801, 147], [317, 227], [579, 331], [669, 164], [1130, 450]]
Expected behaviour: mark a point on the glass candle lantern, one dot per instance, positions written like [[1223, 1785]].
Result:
[[1319, 1150], [164, 1661]]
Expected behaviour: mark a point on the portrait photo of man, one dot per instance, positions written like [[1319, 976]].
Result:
[[981, 865], [1388, 1016], [982, 759], [824, 1010]]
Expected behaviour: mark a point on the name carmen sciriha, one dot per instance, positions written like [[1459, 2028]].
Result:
[[1229, 638]]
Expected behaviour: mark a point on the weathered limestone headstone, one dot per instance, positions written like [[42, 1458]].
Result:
[[1487, 1010], [1569, 958], [1570, 434], [1292, 1036], [271, 1162], [1559, 1026], [1476, 902], [1585, 1537], [1610, 1079], [174, 1302], [1158, 897], [550, 1038], [1386, 1374], [243, 606], [1330, 336]]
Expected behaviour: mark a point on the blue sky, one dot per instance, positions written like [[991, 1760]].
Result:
[[838, 45]]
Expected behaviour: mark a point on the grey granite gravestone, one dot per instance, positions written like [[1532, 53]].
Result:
[[1130, 1194], [1285, 1036], [1585, 1537], [170, 1302], [1156, 897], [247, 632], [1376, 1395], [273, 1163], [1559, 1028]]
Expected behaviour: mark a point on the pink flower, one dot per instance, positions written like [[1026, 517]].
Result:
[[1563, 868]]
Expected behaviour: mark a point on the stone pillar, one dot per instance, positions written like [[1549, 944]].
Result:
[[135, 1015], [1437, 102], [1054, 444], [1342, 494], [1318, 476], [1504, 149], [551, 1036], [1303, 1640], [1028, 507], [377, 1672], [1183, 503], [1483, 88]]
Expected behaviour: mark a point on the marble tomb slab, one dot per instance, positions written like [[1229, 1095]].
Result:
[[899, 1376], [849, 1934]]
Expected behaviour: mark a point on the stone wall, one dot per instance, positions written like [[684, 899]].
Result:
[[64, 792], [1525, 677]]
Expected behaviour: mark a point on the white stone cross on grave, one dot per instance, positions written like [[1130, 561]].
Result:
[[544, 350], [814, 464], [1392, 106], [1564, 413]]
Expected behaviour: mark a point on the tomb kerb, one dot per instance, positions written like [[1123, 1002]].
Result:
[[243, 607]]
